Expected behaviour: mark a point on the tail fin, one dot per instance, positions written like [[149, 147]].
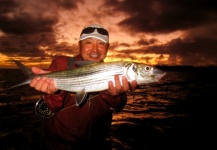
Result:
[[22, 83], [27, 71]]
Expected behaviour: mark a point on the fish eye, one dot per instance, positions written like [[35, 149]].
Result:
[[147, 68]]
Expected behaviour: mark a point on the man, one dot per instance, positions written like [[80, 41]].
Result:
[[73, 127]]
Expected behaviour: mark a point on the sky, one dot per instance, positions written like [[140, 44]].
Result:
[[156, 32]]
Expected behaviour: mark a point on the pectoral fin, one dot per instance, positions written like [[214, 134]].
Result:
[[80, 97]]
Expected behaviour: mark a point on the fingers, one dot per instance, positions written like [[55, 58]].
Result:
[[133, 84], [110, 87], [120, 86], [113, 87], [44, 85], [125, 84]]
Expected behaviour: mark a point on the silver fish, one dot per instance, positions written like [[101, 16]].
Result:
[[94, 77]]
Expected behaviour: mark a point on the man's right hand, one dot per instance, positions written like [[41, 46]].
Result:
[[42, 84]]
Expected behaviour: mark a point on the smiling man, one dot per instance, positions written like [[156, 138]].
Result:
[[94, 43], [73, 127]]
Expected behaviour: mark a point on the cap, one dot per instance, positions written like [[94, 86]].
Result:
[[95, 31]]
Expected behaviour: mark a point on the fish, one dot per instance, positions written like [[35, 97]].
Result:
[[94, 76]]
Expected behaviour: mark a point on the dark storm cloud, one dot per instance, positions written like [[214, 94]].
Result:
[[157, 16], [192, 50], [17, 17], [196, 19], [28, 24], [147, 41], [25, 45], [188, 51], [29, 17]]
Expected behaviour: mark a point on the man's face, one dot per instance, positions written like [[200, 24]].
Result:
[[93, 49]]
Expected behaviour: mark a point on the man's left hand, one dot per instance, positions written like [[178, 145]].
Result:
[[121, 86]]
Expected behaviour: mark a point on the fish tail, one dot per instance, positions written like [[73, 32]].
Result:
[[19, 84], [26, 71]]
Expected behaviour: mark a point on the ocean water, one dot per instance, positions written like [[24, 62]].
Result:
[[177, 113]]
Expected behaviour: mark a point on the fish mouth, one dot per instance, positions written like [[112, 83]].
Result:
[[159, 77]]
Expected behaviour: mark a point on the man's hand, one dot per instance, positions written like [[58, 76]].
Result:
[[43, 84], [119, 88]]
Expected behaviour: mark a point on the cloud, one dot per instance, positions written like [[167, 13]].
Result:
[[155, 17], [29, 25], [192, 50], [164, 32], [197, 20], [147, 41]]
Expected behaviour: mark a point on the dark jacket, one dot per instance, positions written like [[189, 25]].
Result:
[[72, 126]]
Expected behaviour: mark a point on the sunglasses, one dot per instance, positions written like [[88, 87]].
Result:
[[89, 30]]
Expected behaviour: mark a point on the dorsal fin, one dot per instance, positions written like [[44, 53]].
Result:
[[84, 63]]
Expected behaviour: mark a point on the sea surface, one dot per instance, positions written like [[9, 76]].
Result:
[[178, 113]]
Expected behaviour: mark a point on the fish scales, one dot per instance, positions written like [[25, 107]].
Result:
[[92, 77], [92, 81], [87, 86], [99, 73], [85, 71]]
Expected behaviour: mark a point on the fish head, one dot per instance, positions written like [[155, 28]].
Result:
[[148, 74]]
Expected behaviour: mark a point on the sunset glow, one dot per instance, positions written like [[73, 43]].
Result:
[[142, 31]]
